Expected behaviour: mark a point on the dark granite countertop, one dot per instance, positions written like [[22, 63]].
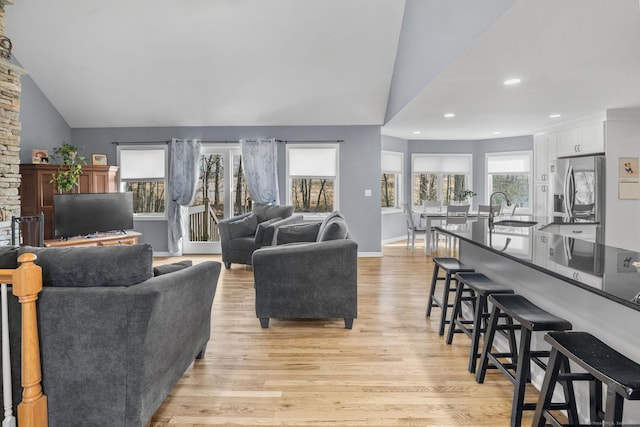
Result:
[[605, 270]]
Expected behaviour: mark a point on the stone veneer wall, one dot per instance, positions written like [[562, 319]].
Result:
[[9, 142]]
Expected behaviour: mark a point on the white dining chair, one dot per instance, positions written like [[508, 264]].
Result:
[[484, 210], [412, 229]]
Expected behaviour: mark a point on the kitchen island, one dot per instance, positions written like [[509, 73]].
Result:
[[592, 285]]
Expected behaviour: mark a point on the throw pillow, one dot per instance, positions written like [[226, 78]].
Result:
[[262, 227], [265, 212], [298, 233], [334, 230], [95, 265], [327, 220], [170, 268], [243, 227]]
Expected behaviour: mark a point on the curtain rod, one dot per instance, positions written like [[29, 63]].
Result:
[[140, 142], [310, 141], [230, 141]]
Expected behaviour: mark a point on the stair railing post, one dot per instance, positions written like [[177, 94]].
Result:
[[27, 284]]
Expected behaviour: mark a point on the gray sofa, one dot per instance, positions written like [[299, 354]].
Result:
[[115, 333], [311, 274], [241, 235]]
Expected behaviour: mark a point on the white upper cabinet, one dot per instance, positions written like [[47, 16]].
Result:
[[581, 140], [544, 151]]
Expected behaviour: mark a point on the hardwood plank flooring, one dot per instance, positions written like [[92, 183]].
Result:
[[391, 369]]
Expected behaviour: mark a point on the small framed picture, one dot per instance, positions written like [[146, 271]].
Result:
[[99, 159], [39, 156]]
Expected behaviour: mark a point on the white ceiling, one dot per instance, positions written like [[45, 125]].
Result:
[[576, 58], [125, 63]]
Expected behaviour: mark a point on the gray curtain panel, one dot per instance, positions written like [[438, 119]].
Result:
[[260, 160], [184, 171]]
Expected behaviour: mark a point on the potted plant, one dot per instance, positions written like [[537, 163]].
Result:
[[462, 196], [70, 168]]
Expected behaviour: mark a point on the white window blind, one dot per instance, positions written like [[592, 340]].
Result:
[[459, 164], [312, 162], [508, 163], [391, 162], [142, 164]]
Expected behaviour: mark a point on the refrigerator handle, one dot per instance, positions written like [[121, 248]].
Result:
[[568, 192]]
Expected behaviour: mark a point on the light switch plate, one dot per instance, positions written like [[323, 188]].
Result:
[[367, 193]]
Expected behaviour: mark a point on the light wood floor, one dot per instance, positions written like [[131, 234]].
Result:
[[391, 369]]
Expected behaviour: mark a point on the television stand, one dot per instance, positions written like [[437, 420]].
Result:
[[102, 239]]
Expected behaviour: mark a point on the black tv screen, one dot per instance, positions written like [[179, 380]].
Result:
[[89, 213]]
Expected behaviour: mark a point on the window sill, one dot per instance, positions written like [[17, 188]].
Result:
[[391, 211]]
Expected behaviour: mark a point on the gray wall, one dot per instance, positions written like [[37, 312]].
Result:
[[42, 124], [359, 167], [433, 33]]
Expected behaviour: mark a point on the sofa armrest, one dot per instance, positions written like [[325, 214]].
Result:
[[225, 226]]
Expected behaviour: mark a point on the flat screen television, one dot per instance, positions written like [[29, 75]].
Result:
[[90, 213]]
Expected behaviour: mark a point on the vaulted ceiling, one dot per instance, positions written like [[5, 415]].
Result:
[[308, 62]]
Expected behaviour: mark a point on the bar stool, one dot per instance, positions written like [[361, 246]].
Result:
[[479, 287], [603, 365], [529, 318], [450, 266]]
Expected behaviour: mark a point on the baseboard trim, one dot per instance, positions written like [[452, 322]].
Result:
[[394, 239], [369, 254]]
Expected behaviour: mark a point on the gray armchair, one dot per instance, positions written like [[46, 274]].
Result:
[[241, 235], [313, 279]]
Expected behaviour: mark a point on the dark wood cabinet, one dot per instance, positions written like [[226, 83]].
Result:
[[36, 190]]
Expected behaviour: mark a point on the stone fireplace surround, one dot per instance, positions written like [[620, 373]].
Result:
[[10, 128]]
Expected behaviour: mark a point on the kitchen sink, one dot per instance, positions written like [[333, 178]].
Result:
[[515, 223]]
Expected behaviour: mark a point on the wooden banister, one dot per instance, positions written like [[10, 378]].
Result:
[[27, 284]]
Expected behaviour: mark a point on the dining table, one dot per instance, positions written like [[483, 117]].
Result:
[[434, 215]]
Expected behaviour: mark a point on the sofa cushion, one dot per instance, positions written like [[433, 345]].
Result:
[[170, 268], [265, 212], [94, 266], [306, 232], [243, 227], [8, 257], [244, 244], [263, 226]]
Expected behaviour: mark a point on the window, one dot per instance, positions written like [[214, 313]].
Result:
[[511, 174], [143, 172], [439, 177], [312, 177], [391, 179]]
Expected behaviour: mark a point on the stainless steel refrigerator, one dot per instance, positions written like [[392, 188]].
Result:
[[578, 190]]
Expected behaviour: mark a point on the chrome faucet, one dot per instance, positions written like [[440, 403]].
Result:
[[491, 212]]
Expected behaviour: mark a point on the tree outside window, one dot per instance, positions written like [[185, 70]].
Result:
[[312, 177]]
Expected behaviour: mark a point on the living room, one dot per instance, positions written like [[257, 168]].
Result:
[[49, 116]]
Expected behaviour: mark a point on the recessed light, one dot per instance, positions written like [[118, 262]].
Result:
[[554, 116], [513, 81], [497, 132], [449, 115], [416, 132]]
